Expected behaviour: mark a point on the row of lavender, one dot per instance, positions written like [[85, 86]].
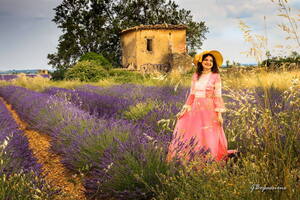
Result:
[[108, 150], [7, 77], [111, 102], [18, 163]]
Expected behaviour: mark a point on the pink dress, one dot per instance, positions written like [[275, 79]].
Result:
[[199, 128]]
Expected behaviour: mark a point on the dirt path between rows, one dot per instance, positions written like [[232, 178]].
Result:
[[55, 173]]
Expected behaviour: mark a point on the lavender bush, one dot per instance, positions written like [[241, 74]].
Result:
[[18, 146], [105, 106], [139, 93], [8, 77], [126, 168]]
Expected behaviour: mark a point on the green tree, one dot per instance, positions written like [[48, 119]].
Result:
[[295, 55], [95, 26], [227, 63], [98, 58]]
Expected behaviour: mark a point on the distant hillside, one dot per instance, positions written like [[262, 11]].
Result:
[[26, 71]]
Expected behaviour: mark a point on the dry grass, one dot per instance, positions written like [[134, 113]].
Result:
[[231, 79], [279, 79]]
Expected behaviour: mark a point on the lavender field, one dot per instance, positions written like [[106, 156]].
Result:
[[7, 77], [116, 137]]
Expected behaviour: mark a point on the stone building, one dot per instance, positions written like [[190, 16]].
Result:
[[43, 71], [155, 47]]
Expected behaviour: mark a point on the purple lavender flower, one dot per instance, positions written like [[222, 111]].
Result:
[[7, 77], [18, 146], [100, 105], [18, 157]]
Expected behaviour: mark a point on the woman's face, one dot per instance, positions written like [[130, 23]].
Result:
[[207, 63]]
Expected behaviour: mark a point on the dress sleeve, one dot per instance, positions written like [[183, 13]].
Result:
[[218, 100], [191, 96]]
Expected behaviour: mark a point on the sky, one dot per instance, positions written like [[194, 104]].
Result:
[[27, 33]]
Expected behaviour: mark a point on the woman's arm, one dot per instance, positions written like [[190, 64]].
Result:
[[191, 97], [218, 100]]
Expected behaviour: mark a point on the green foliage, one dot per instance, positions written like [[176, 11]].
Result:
[[58, 74], [138, 111], [137, 169], [97, 58], [120, 72], [93, 147], [234, 181], [87, 71], [24, 186], [278, 61], [123, 76], [192, 53], [95, 26]]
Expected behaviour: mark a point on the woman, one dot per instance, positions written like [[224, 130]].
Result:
[[199, 124]]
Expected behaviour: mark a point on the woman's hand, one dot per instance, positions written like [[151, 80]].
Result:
[[220, 118], [184, 109], [181, 113]]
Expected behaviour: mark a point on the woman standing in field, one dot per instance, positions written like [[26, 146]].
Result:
[[199, 124]]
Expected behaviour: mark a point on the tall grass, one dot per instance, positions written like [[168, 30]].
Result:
[[230, 78], [268, 137], [260, 78]]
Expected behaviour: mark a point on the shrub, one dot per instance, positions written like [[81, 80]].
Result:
[[97, 58], [86, 71]]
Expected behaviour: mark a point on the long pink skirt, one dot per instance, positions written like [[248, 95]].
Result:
[[198, 130]]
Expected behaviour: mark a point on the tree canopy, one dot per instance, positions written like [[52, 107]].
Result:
[[95, 26]]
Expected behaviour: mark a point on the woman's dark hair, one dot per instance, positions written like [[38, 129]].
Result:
[[214, 69]]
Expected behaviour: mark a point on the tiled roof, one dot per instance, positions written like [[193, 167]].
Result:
[[156, 26]]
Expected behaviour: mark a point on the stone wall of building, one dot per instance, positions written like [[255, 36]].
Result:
[[165, 40], [181, 62], [164, 43], [128, 46]]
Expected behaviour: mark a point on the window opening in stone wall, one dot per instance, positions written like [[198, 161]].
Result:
[[149, 44]]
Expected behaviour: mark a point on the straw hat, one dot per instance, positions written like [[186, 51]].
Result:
[[218, 56]]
